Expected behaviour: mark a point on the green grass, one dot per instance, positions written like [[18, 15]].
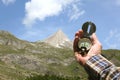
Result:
[[53, 77], [54, 71]]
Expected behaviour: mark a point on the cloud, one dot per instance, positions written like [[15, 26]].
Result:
[[7, 2], [41, 9], [113, 39], [75, 12]]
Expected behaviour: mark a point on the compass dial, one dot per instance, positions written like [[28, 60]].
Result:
[[84, 44]]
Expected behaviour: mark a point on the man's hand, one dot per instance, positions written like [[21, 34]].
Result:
[[95, 49]]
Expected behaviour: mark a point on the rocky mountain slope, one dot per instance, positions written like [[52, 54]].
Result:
[[20, 59], [59, 39], [8, 39]]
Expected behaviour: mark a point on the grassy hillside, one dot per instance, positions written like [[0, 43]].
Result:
[[112, 55], [44, 60], [20, 60], [37, 59]]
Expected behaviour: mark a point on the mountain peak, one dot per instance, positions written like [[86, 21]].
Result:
[[61, 35], [58, 39], [59, 31]]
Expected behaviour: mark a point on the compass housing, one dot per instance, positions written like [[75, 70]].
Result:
[[85, 43]]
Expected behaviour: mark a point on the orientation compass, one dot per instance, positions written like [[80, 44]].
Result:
[[84, 43]]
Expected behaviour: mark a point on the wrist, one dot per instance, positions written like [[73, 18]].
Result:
[[86, 58], [89, 56]]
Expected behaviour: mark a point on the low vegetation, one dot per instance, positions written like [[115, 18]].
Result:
[[53, 77], [22, 60]]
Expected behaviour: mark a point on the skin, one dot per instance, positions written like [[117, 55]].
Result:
[[95, 49]]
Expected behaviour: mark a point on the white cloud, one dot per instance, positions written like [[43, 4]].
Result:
[[41, 9], [113, 39], [7, 2], [75, 12]]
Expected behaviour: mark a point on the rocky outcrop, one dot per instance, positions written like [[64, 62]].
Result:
[[59, 39], [8, 39]]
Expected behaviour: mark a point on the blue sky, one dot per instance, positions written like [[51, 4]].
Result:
[[34, 20]]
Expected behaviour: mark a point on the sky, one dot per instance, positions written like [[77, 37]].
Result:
[[34, 20]]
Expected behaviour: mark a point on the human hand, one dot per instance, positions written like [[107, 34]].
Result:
[[95, 49]]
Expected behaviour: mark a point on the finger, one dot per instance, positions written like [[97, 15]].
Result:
[[75, 44], [95, 41], [80, 33], [77, 35]]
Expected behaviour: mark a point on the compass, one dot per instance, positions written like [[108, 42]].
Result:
[[84, 43]]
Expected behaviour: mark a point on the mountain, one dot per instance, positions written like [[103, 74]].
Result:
[[59, 39], [20, 59], [7, 39]]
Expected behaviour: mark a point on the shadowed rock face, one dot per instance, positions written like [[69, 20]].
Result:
[[8, 39], [59, 39]]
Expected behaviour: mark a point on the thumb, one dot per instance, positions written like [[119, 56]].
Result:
[[94, 38]]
